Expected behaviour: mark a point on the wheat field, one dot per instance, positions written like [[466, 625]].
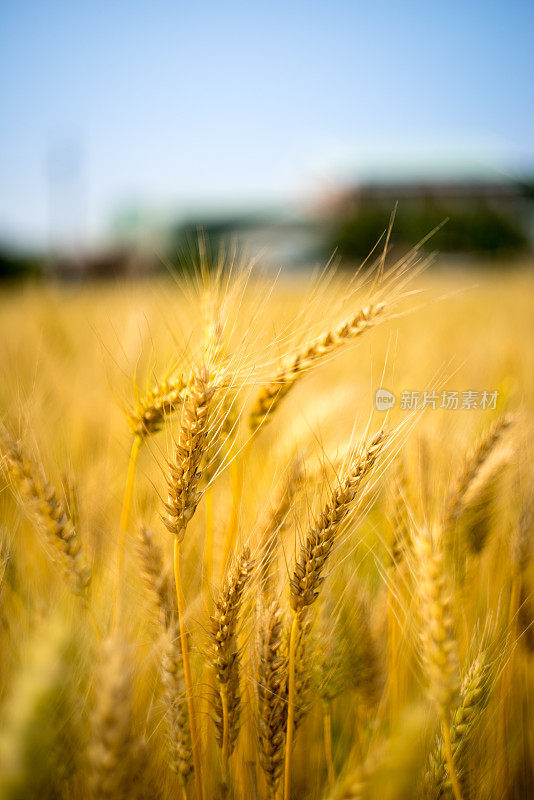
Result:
[[224, 573]]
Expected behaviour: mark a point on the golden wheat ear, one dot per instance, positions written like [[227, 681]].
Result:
[[157, 577], [185, 468], [475, 690], [159, 401], [225, 653], [400, 516], [439, 648], [40, 501], [272, 393], [271, 673], [346, 664], [319, 541], [473, 463]]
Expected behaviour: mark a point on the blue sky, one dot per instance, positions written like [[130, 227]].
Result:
[[174, 105]]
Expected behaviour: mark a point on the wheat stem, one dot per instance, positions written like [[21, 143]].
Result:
[[208, 547], [290, 704], [225, 734], [125, 520], [327, 734], [130, 480], [506, 679], [450, 761], [94, 624], [187, 670], [392, 651]]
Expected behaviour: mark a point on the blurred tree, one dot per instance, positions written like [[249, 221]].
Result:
[[475, 228], [16, 265]]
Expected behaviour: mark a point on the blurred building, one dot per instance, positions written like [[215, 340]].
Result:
[[486, 217], [490, 217]]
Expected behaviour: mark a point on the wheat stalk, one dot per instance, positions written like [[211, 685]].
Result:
[[331, 677]]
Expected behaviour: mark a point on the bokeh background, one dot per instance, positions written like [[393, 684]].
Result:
[[292, 127]]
